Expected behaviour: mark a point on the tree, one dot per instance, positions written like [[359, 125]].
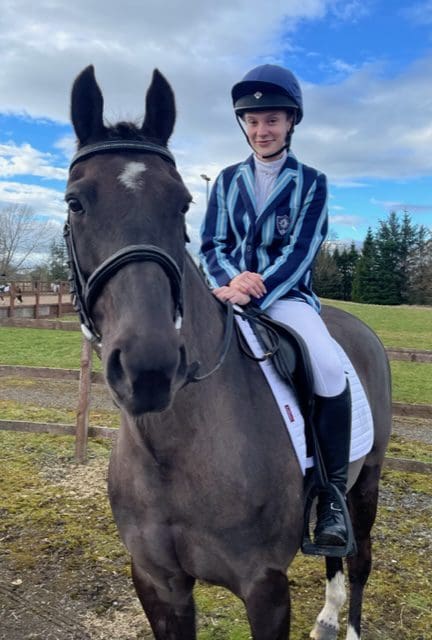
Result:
[[419, 285], [22, 235], [346, 262], [326, 276], [389, 260], [58, 260], [365, 282]]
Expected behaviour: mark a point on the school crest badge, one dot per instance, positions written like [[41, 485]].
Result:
[[282, 224]]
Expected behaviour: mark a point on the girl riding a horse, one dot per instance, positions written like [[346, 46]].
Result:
[[266, 220]]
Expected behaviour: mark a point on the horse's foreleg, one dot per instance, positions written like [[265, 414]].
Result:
[[363, 500], [268, 606], [327, 623], [170, 611]]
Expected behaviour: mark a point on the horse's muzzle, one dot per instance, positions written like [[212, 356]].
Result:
[[143, 375]]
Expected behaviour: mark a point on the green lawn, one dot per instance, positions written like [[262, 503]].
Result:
[[41, 348], [409, 327]]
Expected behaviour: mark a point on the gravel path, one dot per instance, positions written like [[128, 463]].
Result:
[[63, 394], [56, 394]]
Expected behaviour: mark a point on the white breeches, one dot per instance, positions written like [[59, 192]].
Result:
[[329, 375]]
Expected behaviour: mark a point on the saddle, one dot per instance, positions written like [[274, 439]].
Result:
[[290, 357]]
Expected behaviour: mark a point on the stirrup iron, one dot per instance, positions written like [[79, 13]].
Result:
[[309, 547]]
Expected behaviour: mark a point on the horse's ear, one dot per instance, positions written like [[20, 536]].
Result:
[[87, 106], [160, 109]]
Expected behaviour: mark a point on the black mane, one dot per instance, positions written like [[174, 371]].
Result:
[[129, 131]]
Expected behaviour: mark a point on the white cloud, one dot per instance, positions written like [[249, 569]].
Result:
[[363, 125], [393, 205], [45, 202], [346, 220], [419, 13], [369, 125], [25, 160]]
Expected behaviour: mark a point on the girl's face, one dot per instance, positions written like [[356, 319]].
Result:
[[267, 131]]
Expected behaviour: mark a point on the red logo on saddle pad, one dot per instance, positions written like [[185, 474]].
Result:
[[289, 413]]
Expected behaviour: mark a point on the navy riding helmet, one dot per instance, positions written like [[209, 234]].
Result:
[[268, 86]]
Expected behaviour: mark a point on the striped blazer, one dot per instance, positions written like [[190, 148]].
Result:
[[280, 243]]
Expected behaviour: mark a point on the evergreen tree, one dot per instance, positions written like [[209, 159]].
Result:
[[57, 262], [346, 262], [326, 276], [409, 237], [365, 283], [388, 260], [419, 286]]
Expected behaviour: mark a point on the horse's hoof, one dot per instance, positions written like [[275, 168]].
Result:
[[324, 631]]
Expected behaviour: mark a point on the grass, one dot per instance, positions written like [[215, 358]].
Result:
[[11, 410], [403, 326], [412, 382], [45, 522], [56, 524], [40, 347]]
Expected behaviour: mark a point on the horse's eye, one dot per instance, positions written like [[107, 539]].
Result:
[[74, 205], [185, 208]]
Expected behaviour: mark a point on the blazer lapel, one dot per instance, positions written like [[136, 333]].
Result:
[[245, 184]]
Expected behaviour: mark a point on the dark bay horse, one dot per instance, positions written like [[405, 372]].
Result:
[[203, 481]]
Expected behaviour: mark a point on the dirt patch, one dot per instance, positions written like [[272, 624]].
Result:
[[60, 579], [65, 575], [418, 429], [58, 394]]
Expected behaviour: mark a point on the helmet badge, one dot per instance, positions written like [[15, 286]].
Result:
[[257, 95]]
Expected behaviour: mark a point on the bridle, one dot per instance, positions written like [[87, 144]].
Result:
[[86, 291]]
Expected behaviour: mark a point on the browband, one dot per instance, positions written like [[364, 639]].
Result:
[[121, 145]]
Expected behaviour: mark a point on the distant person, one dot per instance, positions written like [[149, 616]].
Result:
[[19, 294], [5, 288]]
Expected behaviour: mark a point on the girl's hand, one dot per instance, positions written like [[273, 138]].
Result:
[[249, 283], [231, 294]]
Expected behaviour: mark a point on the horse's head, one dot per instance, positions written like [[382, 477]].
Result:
[[125, 234]]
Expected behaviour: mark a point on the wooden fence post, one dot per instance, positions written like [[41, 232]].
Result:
[[37, 300], [59, 300], [82, 422], [11, 300]]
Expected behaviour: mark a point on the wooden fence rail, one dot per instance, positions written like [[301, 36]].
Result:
[[86, 376]]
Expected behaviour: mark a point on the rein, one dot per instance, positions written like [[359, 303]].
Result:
[[86, 291]]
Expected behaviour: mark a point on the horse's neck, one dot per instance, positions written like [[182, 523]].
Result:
[[204, 321]]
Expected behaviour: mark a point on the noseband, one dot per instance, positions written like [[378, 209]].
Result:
[[86, 291]]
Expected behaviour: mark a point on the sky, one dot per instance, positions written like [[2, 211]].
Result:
[[365, 67]]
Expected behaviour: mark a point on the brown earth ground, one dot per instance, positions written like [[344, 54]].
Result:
[[96, 601]]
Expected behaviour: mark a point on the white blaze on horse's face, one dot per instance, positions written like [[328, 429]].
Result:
[[130, 176]]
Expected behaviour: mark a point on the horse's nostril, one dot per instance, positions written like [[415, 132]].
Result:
[[115, 372], [136, 388]]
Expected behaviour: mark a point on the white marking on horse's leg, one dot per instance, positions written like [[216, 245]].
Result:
[[129, 177], [351, 634], [327, 624]]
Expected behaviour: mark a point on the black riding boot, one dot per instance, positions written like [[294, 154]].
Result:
[[333, 427]]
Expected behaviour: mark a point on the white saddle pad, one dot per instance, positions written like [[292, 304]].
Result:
[[362, 422]]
